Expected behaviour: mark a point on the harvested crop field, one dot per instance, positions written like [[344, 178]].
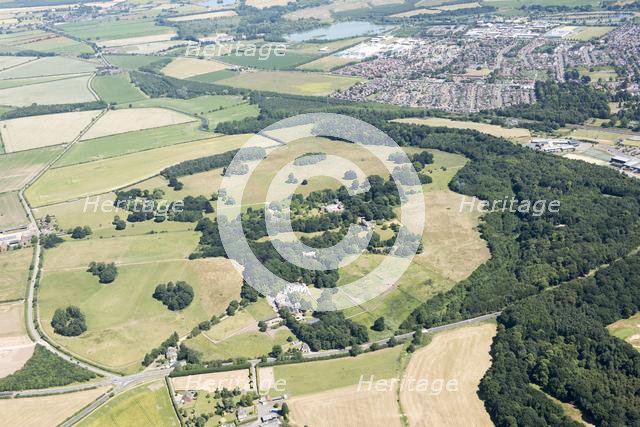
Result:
[[102, 176], [11, 212], [46, 410], [206, 15], [183, 67], [15, 346], [216, 380], [349, 406], [12, 61], [137, 40], [296, 83], [440, 384], [128, 120], [262, 4], [15, 272], [499, 131], [65, 91], [52, 129], [48, 66], [17, 169]]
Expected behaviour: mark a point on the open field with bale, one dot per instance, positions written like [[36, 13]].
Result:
[[102, 176]]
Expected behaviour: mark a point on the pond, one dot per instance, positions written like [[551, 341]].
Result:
[[340, 30]]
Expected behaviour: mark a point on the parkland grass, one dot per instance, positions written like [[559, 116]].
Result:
[[124, 320]]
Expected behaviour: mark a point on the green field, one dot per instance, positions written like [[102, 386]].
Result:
[[314, 377], [116, 89], [6, 84], [292, 82], [102, 176], [194, 106], [17, 168], [145, 405], [248, 344], [272, 62], [213, 77], [124, 321], [112, 29], [11, 212], [15, 273], [130, 142], [61, 45], [131, 62]]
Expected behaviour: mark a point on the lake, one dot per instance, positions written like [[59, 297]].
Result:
[[340, 30]]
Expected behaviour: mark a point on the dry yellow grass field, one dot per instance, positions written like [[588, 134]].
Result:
[[346, 406], [584, 158], [15, 346], [47, 410], [15, 273], [416, 12], [206, 15], [52, 129], [452, 244], [215, 380], [132, 119], [499, 131], [459, 6], [137, 40], [453, 364], [183, 67]]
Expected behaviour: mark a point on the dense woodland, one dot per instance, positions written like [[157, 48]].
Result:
[[558, 341], [43, 370], [331, 330]]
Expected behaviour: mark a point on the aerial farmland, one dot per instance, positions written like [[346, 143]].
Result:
[[319, 213]]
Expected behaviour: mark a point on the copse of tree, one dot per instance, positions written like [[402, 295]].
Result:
[[332, 330], [203, 164], [106, 273], [80, 232], [119, 223], [51, 241], [379, 324], [69, 321], [44, 370], [175, 296], [159, 86]]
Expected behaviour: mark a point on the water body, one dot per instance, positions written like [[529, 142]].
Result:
[[340, 30]]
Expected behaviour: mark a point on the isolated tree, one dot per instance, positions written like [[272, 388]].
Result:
[[378, 325], [349, 175]]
